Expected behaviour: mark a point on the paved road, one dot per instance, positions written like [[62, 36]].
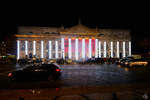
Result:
[[81, 76]]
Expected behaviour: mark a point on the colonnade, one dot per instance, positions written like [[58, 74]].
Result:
[[75, 48]]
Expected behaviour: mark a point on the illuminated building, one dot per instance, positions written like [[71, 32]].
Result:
[[77, 42]]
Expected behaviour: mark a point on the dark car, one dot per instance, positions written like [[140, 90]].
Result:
[[36, 72]]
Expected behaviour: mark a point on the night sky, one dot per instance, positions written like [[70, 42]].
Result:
[[120, 16]]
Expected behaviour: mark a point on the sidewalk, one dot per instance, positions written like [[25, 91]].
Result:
[[117, 92]]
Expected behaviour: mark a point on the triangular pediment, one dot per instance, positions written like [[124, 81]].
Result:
[[79, 29]]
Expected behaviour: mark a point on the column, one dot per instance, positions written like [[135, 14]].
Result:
[[62, 48], [111, 47], [56, 49], [96, 48], [129, 48], [42, 49], [105, 49], [69, 52], [83, 48], [26, 47], [18, 49], [50, 50], [90, 51], [99, 49], [124, 52], [34, 48], [118, 49], [76, 49]]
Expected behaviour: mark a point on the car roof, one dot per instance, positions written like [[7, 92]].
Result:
[[41, 66]]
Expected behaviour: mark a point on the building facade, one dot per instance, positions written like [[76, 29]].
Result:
[[77, 43]]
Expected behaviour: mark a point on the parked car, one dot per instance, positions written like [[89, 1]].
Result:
[[123, 60], [136, 62], [36, 72]]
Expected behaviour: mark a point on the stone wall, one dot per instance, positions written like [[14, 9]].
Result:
[[105, 34], [36, 30]]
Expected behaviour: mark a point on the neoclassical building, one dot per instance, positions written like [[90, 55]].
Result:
[[77, 43]]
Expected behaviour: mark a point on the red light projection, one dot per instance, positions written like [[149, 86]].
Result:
[[93, 47], [86, 47], [73, 47], [66, 47]]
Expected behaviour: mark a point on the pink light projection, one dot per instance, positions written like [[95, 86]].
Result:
[[66, 47], [86, 47], [93, 47], [73, 47], [80, 47]]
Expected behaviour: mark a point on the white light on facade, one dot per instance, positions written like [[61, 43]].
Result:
[[42, 49], [70, 53], [62, 48], [111, 47], [90, 51], [56, 49], [18, 49], [76, 49], [34, 47], [124, 52], [50, 49], [83, 48], [26, 47], [105, 49], [129, 48], [117, 49], [96, 48], [99, 49]]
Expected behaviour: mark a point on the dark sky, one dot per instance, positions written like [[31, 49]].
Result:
[[124, 15]]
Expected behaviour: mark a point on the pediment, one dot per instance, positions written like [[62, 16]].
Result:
[[79, 29]]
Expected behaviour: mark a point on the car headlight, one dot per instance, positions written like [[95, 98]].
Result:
[[126, 63]]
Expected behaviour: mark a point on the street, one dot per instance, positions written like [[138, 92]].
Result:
[[81, 76], [80, 82]]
